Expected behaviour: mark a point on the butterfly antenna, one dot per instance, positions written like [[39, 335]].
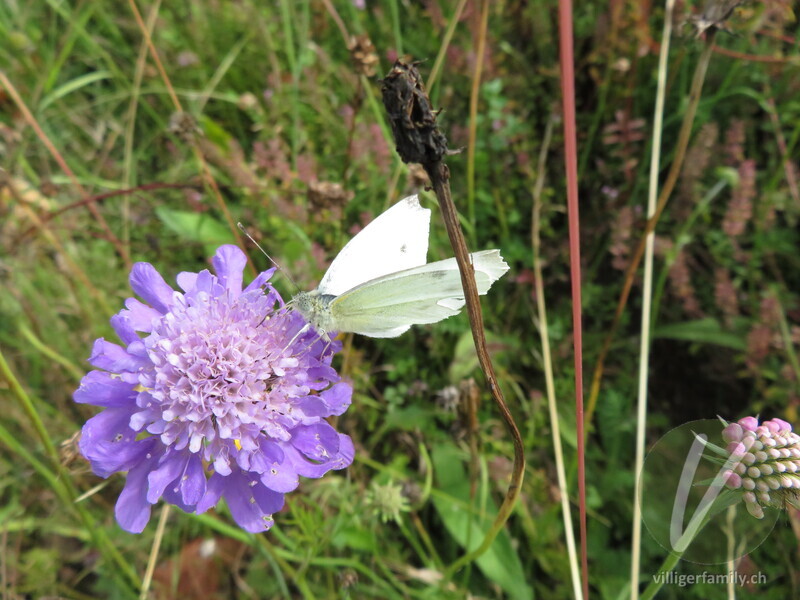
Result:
[[272, 260]]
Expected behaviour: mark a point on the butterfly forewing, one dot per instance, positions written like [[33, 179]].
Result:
[[394, 241]]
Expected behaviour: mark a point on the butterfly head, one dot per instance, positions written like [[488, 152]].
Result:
[[316, 309]]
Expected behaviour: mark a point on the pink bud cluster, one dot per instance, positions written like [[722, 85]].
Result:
[[768, 461]]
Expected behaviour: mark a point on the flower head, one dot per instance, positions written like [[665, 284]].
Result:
[[224, 395], [387, 501], [766, 462]]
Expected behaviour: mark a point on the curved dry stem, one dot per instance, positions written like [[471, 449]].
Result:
[[440, 180]]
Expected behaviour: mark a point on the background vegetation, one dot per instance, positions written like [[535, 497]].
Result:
[[107, 161]]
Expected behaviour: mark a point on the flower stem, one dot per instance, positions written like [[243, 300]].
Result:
[[547, 364], [647, 295], [153, 559], [473, 113], [567, 67]]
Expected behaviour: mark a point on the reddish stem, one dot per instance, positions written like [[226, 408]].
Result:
[[571, 163]]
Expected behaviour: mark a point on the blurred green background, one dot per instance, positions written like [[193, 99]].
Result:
[[269, 113]]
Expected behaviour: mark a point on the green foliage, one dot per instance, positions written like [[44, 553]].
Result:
[[468, 518], [272, 105]]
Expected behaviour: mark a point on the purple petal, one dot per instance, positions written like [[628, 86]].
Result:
[[190, 486], [205, 282], [281, 477], [265, 454], [124, 328], [338, 397], [169, 470], [138, 349], [110, 445], [187, 281], [133, 509], [100, 389], [749, 423], [302, 466], [276, 472], [141, 316], [251, 504], [214, 488], [318, 442], [260, 280], [193, 481], [343, 458], [151, 287], [114, 358], [313, 406], [172, 495], [346, 454], [229, 263]]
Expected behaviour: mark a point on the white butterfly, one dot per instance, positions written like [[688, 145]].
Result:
[[379, 284]]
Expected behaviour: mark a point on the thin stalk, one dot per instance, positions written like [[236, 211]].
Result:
[[567, 62], [287, 21], [263, 542], [46, 218], [547, 360], [37, 344], [334, 14], [669, 184], [426, 540], [415, 543], [130, 120], [153, 558], [786, 336], [692, 531], [730, 516], [681, 234], [282, 555], [474, 96], [398, 36], [791, 178], [30, 411], [647, 295], [446, 39]]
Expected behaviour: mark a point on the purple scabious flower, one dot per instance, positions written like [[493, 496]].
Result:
[[766, 467], [215, 392]]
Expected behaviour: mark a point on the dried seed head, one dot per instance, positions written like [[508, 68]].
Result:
[[714, 15], [184, 126], [412, 118], [327, 195], [363, 54]]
